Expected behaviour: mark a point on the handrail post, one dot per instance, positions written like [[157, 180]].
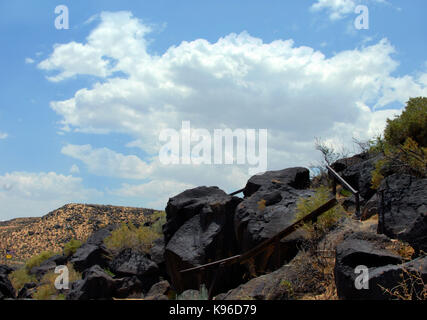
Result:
[[357, 205], [334, 186]]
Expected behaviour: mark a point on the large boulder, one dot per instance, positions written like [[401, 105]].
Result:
[[298, 178], [199, 230], [128, 287], [89, 255], [277, 285], [133, 263], [359, 175], [95, 284], [387, 276], [403, 209], [270, 209], [27, 291], [360, 249], [93, 251], [129, 263], [6, 289]]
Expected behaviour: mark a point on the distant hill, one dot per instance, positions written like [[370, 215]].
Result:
[[26, 237]]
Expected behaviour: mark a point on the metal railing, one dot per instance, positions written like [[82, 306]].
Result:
[[263, 246], [346, 185]]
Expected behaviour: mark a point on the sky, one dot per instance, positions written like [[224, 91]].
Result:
[[82, 108]]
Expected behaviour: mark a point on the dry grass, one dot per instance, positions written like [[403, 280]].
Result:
[[411, 287]]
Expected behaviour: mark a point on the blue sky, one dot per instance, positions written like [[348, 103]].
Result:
[[81, 109]]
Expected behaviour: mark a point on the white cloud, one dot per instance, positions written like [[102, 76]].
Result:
[[339, 9], [237, 82], [26, 194], [29, 61], [3, 135], [105, 162], [119, 37], [158, 192]]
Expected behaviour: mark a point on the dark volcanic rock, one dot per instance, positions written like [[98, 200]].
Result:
[[6, 288], [189, 203], [359, 176], [403, 212], [128, 286], [132, 263], [89, 255], [278, 285], [48, 266], [298, 178], [360, 250], [371, 208], [270, 209], [96, 284], [27, 291], [342, 164], [157, 251], [44, 268], [199, 229], [4, 269], [93, 252]]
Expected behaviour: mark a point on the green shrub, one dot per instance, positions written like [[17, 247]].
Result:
[[326, 220], [20, 277], [38, 260], [71, 247], [412, 123], [129, 236], [159, 218]]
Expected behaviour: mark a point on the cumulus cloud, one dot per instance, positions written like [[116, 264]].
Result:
[[295, 92], [29, 61], [106, 162], [3, 135], [26, 194]]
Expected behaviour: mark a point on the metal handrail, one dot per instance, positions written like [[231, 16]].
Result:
[[241, 258], [346, 185]]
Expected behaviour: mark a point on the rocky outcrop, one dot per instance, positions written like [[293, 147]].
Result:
[[27, 291], [6, 288], [297, 178], [199, 229], [403, 210], [95, 284], [360, 249], [93, 252], [277, 285], [359, 176], [370, 208], [129, 287], [269, 208], [129, 262]]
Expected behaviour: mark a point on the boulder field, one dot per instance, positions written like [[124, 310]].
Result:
[[206, 224]]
